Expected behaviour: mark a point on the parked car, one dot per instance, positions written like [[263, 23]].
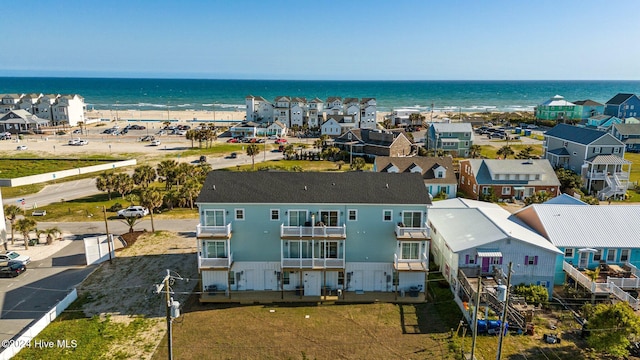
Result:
[[14, 256], [232, 140], [39, 213], [133, 211], [21, 147], [281, 141], [273, 137], [77, 131], [108, 131], [155, 143], [11, 268], [5, 136], [77, 142], [233, 156], [147, 138]]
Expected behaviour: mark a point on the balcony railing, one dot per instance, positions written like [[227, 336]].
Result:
[[583, 280], [418, 233], [421, 264], [215, 263], [213, 231], [313, 263], [313, 231]]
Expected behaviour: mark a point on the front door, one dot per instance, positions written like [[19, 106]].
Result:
[[584, 260], [485, 264], [249, 281], [311, 283], [378, 280], [269, 280], [356, 281]]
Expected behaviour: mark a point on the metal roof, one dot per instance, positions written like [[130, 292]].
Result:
[[608, 159], [575, 134], [468, 224], [601, 226]]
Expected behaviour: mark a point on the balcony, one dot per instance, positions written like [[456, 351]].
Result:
[[412, 233], [421, 264], [312, 263], [313, 232], [215, 263], [219, 232]]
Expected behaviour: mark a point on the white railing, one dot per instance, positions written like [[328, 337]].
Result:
[[423, 261], [597, 175], [626, 283], [583, 280], [313, 231], [634, 270], [222, 263], [413, 232], [309, 263], [214, 231], [624, 296]]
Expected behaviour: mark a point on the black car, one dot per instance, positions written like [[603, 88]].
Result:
[[11, 268], [203, 159]]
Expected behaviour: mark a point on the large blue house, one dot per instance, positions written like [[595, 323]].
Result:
[[623, 106], [312, 234]]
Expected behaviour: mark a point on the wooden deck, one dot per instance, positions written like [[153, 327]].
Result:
[[268, 297]]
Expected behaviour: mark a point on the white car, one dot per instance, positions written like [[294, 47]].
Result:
[[14, 256], [133, 211], [273, 137], [155, 143], [21, 147]]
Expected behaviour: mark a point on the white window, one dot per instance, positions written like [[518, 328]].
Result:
[[412, 219], [410, 250], [486, 190], [565, 144], [597, 149], [297, 217], [353, 215], [440, 174], [275, 214], [568, 252], [239, 214], [387, 215], [215, 249], [214, 217], [462, 179], [611, 255], [624, 255], [474, 188], [506, 190], [616, 150]]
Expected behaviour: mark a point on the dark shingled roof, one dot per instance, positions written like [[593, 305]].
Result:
[[587, 103], [576, 134], [619, 99], [354, 187]]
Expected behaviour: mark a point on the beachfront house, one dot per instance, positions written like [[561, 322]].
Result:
[[596, 156], [315, 116], [402, 117], [453, 139], [44, 104], [333, 106], [28, 101], [21, 121], [512, 179], [587, 108], [259, 109], [9, 102], [303, 235], [338, 124], [276, 128], [368, 113], [623, 106], [68, 110], [471, 238], [557, 109], [603, 234], [438, 172], [629, 134], [298, 112], [371, 143]]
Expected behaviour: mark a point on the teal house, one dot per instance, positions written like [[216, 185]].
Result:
[[307, 235], [588, 108], [453, 139], [558, 109]]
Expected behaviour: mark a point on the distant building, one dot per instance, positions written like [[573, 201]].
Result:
[[65, 110], [557, 109], [629, 134], [370, 143], [21, 121], [452, 138], [588, 108], [623, 106], [507, 179], [437, 172]]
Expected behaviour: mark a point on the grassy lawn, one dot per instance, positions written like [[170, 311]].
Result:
[[16, 167], [490, 151]]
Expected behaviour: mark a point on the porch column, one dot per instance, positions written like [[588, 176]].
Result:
[[301, 284]]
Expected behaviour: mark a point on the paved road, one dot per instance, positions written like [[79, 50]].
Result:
[[77, 189], [29, 296]]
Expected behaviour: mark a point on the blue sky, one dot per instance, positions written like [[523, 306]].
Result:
[[328, 39]]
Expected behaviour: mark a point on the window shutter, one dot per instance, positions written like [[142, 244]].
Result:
[[535, 260], [500, 261], [466, 259], [526, 260]]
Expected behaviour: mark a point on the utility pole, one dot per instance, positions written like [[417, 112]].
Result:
[[106, 229], [172, 310], [504, 314]]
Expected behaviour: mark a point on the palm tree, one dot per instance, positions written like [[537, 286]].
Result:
[[505, 151], [324, 138], [192, 135], [131, 222], [474, 151], [25, 226], [170, 199], [253, 150], [105, 182], [144, 175], [183, 172], [358, 164], [123, 183], [525, 153], [289, 151], [202, 170], [166, 172], [152, 199], [52, 234], [11, 212], [190, 191]]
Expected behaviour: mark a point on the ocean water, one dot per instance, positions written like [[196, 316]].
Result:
[[207, 94]]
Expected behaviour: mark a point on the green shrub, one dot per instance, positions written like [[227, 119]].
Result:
[[533, 294]]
